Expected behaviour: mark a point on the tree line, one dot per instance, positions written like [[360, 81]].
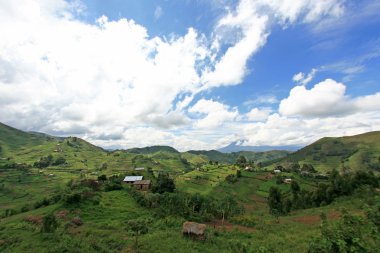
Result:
[[338, 185]]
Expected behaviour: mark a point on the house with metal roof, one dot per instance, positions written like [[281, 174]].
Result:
[[132, 179]]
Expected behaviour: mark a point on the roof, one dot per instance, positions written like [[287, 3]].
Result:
[[132, 178], [139, 182]]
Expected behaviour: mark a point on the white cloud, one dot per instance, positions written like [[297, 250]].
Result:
[[262, 100], [257, 114], [282, 130], [215, 113], [290, 11], [326, 98], [303, 79], [250, 31], [158, 12]]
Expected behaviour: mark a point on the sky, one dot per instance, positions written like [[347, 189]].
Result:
[[192, 74]]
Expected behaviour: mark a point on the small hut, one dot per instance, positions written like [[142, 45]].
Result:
[[142, 185], [194, 230]]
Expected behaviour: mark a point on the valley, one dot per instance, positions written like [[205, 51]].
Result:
[[80, 186]]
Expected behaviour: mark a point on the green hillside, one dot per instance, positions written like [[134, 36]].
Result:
[[230, 158], [351, 152], [53, 200], [152, 149]]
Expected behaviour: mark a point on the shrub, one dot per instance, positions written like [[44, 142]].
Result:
[[49, 224], [164, 184], [77, 221]]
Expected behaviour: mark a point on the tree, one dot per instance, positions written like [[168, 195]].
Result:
[[164, 184], [231, 178], [59, 161], [241, 161], [275, 201], [138, 227], [104, 166], [295, 188], [49, 223], [238, 173], [102, 178]]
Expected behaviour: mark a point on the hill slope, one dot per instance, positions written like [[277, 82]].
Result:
[[215, 155], [356, 152], [152, 149]]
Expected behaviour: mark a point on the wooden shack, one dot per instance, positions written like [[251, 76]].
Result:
[[142, 185]]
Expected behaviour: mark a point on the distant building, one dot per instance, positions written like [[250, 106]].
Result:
[[248, 168], [139, 169], [277, 171], [287, 180], [132, 179], [142, 185]]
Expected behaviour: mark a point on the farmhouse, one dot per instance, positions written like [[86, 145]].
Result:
[[143, 185], [132, 179], [248, 168], [277, 171], [287, 180]]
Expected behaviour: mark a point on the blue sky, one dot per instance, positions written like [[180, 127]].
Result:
[[191, 74]]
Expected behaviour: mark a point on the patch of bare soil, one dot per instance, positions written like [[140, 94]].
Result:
[[315, 219], [265, 177], [227, 226], [258, 199]]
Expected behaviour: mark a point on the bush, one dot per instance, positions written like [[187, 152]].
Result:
[[351, 234], [77, 221], [49, 224], [164, 184], [112, 187], [231, 179]]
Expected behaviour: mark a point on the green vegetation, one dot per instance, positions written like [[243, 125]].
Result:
[[66, 195], [359, 152]]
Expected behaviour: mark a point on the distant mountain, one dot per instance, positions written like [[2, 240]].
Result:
[[356, 152], [152, 149], [234, 147]]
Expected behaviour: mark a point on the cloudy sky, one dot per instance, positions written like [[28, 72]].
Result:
[[192, 74]]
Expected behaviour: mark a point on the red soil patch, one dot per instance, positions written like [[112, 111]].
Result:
[[315, 219], [62, 214], [36, 220], [258, 199], [267, 176], [218, 225]]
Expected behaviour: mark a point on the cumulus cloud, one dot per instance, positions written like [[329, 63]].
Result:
[[326, 98], [257, 114], [215, 113], [282, 130]]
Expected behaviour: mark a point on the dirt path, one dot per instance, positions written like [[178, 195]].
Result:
[[217, 224]]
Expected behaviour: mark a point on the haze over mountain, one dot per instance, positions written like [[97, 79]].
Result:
[[235, 147]]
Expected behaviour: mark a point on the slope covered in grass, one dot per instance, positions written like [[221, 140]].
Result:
[[354, 152]]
